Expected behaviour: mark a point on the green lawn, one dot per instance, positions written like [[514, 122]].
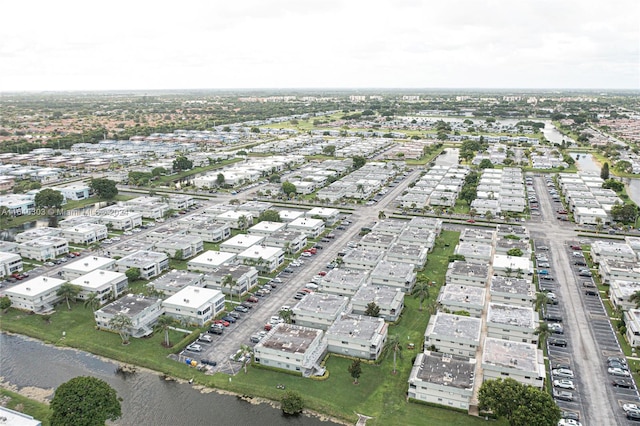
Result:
[[28, 406]]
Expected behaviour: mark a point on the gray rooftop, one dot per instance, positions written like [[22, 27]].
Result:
[[469, 269], [378, 238], [515, 286], [392, 270], [518, 316], [143, 257], [236, 271], [462, 294], [425, 222], [176, 279], [381, 295], [473, 234], [346, 276], [510, 354], [390, 226], [290, 338], [360, 327], [456, 326], [446, 370], [129, 305], [321, 303]]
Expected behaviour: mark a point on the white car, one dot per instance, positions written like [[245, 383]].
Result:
[[629, 407], [194, 347], [562, 372], [569, 422], [615, 371], [306, 254], [564, 384]]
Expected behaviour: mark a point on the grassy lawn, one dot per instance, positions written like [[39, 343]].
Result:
[[178, 176], [28, 406], [380, 393]]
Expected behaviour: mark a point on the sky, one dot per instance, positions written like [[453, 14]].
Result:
[[224, 44]]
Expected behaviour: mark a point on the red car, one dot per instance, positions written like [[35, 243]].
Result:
[[322, 273], [253, 299], [267, 327], [471, 221], [223, 322]]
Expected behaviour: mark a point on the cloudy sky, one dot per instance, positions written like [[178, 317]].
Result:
[[158, 44]]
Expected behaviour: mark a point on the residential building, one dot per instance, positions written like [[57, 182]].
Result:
[[620, 292], [236, 219], [174, 281], [85, 233], [612, 250], [37, 294], [266, 228], [150, 263], [241, 242], [290, 241], [142, 311], [292, 347], [44, 248], [390, 301], [33, 233], [362, 259], [513, 291], [128, 247], [80, 267], [377, 241], [506, 265], [196, 305], [290, 215], [357, 336], [462, 298], [467, 273], [119, 217], [512, 322], [10, 263], [343, 281], [615, 269], [312, 228], [244, 278], [408, 253], [180, 246], [443, 379], [474, 235], [475, 252], [264, 258], [328, 215], [523, 362], [210, 260], [453, 334], [394, 274], [632, 321], [318, 310], [106, 285], [212, 232]]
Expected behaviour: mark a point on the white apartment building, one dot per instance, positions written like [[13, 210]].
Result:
[[196, 305], [85, 233], [513, 291], [512, 322], [175, 280], [467, 273], [10, 263], [241, 242], [37, 295], [244, 278], [106, 285], [264, 258], [312, 228], [357, 336], [523, 362], [389, 300], [44, 248], [150, 263], [80, 267], [210, 260], [462, 298], [141, 310], [318, 310], [453, 334], [394, 274]]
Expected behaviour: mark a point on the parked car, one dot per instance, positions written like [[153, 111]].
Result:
[[621, 360], [562, 395], [564, 384], [253, 299], [556, 328], [591, 292], [254, 339], [235, 314], [216, 329], [585, 274], [547, 278], [222, 322], [622, 383], [633, 415], [569, 422], [570, 415], [205, 338], [580, 263], [241, 308], [616, 371], [562, 372], [553, 317], [208, 362], [194, 347], [229, 319], [557, 342], [247, 305], [630, 407]]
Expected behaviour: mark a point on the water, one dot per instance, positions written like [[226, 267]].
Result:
[[449, 157], [586, 162], [147, 399], [552, 134]]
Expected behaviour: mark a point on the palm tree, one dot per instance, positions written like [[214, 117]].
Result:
[[285, 314], [543, 332], [165, 322], [393, 343], [228, 281], [382, 215], [360, 188], [541, 300], [472, 213], [488, 216], [92, 300], [68, 291], [598, 225], [508, 270], [421, 290], [438, 210], [122, 324], [635, 297], [243, 222]]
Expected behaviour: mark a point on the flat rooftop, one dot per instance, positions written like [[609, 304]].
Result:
[[464, 294], [454, 326], [393, 270], [390, 226], [346, 276], [192, 297], [473, 234], [474, 249], [377, 238], [514, 315], [290, 338], [469, 269], [360, 327], [88, 264], [382, 295], [142, 257], [510, 354], [510, 285], [321, 303], [363, 255], [130, 305], [425, 222], [407, 250], [98, 278], [176, 279], [446, 370]]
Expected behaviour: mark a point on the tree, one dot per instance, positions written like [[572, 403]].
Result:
[[291, 403], [220, 179], [289, 188], [243, 222], [394, 344], [613, 184], [182, 163], [514, 252], [358, 161], [104, 188], [486, 164], [285, 314], [84, 401], [541, 300], [489, 216], [122, 324], [604, 171], [542, 331], [164, 323], [329, 150], [421, 291], [68, 291], [623, 166], [49, 198], [599, 225], [372, 309], [92, 300], [382, 215], [355, 369], [269, 215], [5, 303], [520, 404], [468, 194], [228, 281], [625, 213], [133, 274], [635, 298]]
